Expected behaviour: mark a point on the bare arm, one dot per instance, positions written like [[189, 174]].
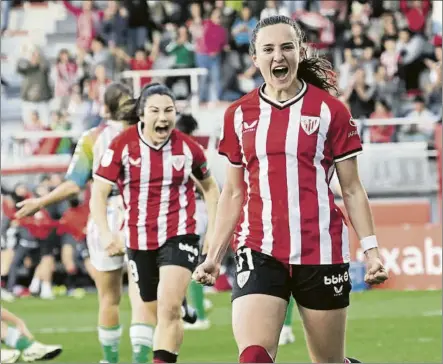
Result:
[[355, 198], [211, 195], [61, 192], [228, 213]]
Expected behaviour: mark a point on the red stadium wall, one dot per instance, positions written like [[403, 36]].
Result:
[[411, 248]]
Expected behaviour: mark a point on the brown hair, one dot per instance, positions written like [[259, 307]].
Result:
[[312, 69], [118, 99]]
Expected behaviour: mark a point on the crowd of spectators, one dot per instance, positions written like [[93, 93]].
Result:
[[387, 56]]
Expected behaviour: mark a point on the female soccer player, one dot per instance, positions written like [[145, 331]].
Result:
[[119, 104], [283, 141], [16, 335], [154, 166]]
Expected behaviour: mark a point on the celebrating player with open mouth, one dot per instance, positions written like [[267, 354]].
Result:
[[284, 141], [154, 166]]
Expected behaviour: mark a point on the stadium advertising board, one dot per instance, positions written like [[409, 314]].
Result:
[[412, 254]]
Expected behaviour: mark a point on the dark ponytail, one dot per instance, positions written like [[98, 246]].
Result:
[[312, 69]]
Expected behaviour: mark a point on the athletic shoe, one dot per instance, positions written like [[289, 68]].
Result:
[[9, 355], [189, 314], [7, 296], [286, 336], [198, 325], [39, 351]]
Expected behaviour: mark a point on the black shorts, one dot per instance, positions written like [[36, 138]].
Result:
[[181, 250], [317, 287], [50, 245]]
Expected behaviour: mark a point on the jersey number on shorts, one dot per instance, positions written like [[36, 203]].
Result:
[[244, 257], [134, 271]]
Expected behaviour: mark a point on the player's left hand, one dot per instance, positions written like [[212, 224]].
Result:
[[375, 271]]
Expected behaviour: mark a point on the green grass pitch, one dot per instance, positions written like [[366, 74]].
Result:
[[383, 326]]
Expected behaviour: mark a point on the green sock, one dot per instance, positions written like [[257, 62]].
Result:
[[109, 338], [289, 311], [197, 298], [141, 339], [14, 339]]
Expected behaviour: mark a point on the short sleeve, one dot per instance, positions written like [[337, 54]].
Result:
[[200, 168], [110, 163], [229, 143], [80, 167], [343, 133]]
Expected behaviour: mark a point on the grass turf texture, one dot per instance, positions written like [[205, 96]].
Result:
[[383, 326]]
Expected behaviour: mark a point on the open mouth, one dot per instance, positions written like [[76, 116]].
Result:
[[162, 130], [280, 72]]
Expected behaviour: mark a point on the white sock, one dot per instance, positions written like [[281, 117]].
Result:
[[35, 285], [141, 334], [46, 289], [12, 336], [109, 336]]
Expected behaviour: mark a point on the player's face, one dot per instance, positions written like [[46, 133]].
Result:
[[277, 55], [159, 117]]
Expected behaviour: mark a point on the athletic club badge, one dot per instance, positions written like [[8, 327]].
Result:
[[178, 162], [242, 278], [310, 123]]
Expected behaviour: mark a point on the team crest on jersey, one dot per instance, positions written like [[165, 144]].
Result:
[[310, 123], [107, 158], [242, 278], [178, 161]]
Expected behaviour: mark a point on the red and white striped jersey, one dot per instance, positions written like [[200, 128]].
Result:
[[288, 151], [156, 185]]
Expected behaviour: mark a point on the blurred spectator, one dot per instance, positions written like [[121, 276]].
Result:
[[358, 41], [137, 20], [346, 70], [390, 29], [422, 131], [65, 77], [208, 55], [88, 22], [416, 12], [432, 78], [78, 110], [141, 61], [59, 122], [114, 26], [386, 88], [437, 10], [36, 91], [410, 48], [382, 133], [389, 58], [274, 7], [101, 55], [183, 52], [242, 29], [5, 9], [96, 93], [360, 95]]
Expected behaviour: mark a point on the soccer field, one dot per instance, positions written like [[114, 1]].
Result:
[[383, 326]]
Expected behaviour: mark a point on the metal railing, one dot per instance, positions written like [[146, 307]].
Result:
[[193, 73]]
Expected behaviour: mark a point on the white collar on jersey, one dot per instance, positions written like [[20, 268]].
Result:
[[147, 142], [282, 105]]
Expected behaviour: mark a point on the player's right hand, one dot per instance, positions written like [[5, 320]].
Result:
[[28, 207], [207, 272], [114, 245]]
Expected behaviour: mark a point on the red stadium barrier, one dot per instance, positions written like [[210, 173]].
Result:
[[412, 254]]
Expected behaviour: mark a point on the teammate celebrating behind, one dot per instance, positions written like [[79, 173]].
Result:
[[283, 141], [153, 165]]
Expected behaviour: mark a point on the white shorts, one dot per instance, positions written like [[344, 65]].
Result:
[[99, 257], [201, 217]]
